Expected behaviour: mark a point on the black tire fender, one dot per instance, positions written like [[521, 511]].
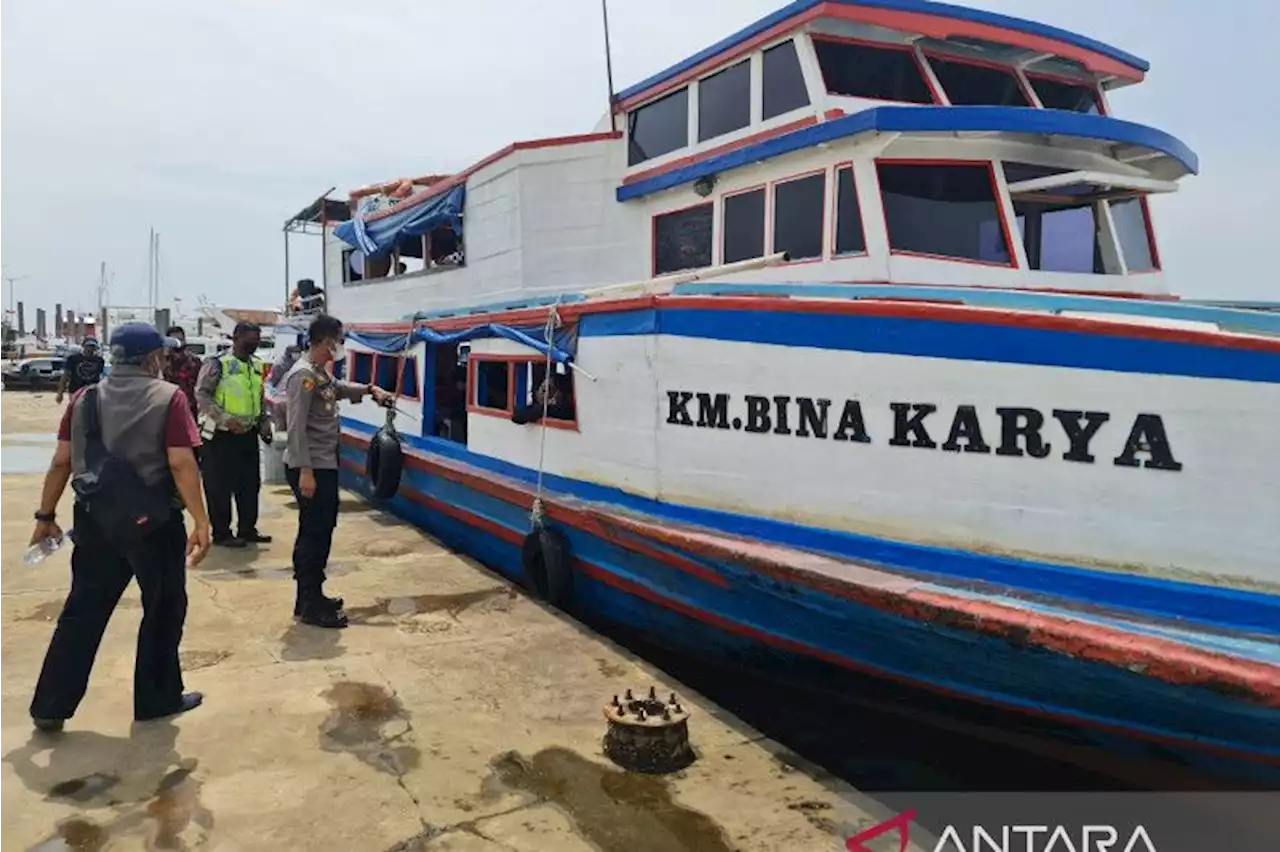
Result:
[[384, 463], [544, 556]]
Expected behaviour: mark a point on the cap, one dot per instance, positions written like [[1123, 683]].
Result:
[[135, 339], [89, 341]]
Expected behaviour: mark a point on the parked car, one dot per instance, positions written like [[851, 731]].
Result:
[[34, 374]]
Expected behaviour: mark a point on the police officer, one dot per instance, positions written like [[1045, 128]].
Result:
[[145, 421], [311, 464], [229, 398]]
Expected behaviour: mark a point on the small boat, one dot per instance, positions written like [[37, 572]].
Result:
[[862, 367]]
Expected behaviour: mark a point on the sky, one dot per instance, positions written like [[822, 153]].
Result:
[[214, 122]]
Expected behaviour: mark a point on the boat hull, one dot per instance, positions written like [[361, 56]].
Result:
[[782, 610]]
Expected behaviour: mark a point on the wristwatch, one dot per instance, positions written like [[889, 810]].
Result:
[[46, 517]]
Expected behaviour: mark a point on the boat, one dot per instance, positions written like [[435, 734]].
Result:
[[869, 375]]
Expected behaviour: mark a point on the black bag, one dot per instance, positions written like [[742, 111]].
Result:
[[124, 507]]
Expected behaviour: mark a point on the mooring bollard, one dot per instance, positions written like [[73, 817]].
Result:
[[648, 734]]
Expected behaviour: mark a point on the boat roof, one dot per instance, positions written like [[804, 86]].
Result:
[[935, 20]]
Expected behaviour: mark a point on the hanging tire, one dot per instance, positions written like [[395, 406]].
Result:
[[545, 559], [384, 464]]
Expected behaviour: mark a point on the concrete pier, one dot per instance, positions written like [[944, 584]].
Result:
[[455, 713]]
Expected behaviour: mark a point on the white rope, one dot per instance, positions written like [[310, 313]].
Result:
[[536, 513]]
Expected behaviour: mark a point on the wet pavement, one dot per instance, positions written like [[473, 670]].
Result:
[[454, 714]]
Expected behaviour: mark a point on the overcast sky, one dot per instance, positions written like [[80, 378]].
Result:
[[213, 122]]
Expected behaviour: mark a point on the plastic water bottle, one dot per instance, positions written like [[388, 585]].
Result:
[[40, 551]]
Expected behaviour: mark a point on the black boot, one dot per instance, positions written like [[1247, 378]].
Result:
[[299, 599], [318, 613]]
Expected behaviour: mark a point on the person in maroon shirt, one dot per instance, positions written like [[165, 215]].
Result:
[[182, 367]]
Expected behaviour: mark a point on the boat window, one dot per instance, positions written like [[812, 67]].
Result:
[[967, 84], [867, 71], [1060, 94], [492, 381], [1134, 234], [658, 128], [849, 236], [529, 378], [1061, 238], [443, 248], [449, 417], [784, 88], [361, 367], [943, 209], [388, 370], [352, 266], [743, 226], [724, 101], [798, 213], [682, 239]]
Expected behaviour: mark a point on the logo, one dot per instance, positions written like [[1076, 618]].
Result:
[[1013, 838]]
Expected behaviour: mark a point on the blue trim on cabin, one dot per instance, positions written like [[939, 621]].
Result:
[[496, 307], [945, 10], [1215, 606], [925, 119], [1228, 316], [795, 624], [937, 338]]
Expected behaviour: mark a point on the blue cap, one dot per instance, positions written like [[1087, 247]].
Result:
[[135, 339]]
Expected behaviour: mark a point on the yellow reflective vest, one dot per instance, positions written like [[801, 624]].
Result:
[[239, 391]]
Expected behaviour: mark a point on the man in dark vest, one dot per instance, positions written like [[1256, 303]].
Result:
[[146, 422]]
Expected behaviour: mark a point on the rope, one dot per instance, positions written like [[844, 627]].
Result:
[[536, 513]]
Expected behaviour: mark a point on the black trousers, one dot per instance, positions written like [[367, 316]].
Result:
[[229, 465], [99, 575], [317, 518]]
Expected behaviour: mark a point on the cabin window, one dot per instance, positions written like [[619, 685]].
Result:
[[658, 128], [784, 88], [1133, 232], [943, 210], [798, 213], [682, 239], [529, 376], [1061, 237], [724, 101], [867, 71], [1060, 94], [967, 84], [361, 367], [743, 226], [387, 369], [492, 385], [352, 266], [850, 238]]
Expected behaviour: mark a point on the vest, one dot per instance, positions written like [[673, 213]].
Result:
[[239, 391], [134, 407]]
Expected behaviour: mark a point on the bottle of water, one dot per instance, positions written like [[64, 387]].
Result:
[[39, 551]]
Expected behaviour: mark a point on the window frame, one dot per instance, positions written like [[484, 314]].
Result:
[[353, 370], [1024, 85], [473, 407], [514, 376], [793, 39], [997, 196], [688, 110], [698, 139], [771, 202], [916, 56], [399, 374], [768, 219], [653, 237], [835, 211], [1060, 78]]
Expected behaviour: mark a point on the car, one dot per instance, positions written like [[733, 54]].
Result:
[[34, 374]]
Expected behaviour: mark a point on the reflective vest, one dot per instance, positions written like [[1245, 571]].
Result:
[[239, 391]]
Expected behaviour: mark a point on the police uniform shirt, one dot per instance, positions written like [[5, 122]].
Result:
[[311, 415]]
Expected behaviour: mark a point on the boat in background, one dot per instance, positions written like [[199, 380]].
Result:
[[864, 368]]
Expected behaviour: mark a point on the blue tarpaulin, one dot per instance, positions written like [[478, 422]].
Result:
[[379, 236], [562, 347]]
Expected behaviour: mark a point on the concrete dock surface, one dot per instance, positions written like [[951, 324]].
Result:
[[455, 713]]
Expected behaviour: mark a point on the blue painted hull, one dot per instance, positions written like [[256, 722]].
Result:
[[721, 609]]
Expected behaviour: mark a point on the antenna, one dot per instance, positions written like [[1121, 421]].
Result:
[[608, 64]]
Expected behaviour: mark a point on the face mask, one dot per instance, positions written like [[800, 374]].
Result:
[[339, 351]]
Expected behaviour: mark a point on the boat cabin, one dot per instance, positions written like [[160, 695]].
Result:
[[900, 142]]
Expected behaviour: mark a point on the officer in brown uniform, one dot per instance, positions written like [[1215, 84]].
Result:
[[145, 424], [311, 464]]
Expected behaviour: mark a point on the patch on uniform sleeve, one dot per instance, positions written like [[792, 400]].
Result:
[[308, 383]]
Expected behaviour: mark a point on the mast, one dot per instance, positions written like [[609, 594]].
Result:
[[608, 64], [151, 267]]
